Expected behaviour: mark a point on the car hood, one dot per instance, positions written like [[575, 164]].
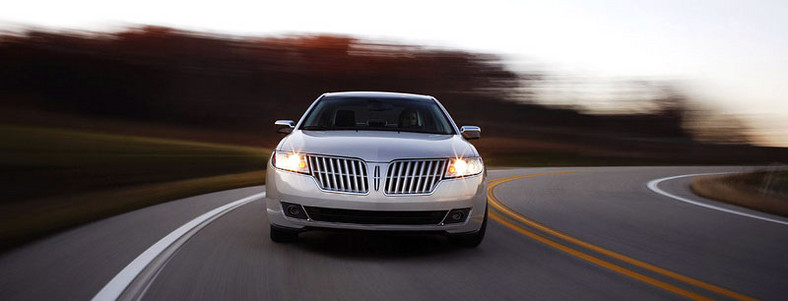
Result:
[[377, 146]]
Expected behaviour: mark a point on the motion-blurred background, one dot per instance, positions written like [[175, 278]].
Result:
[[110, 107]]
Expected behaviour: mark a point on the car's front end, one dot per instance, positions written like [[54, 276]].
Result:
[[373, 179]]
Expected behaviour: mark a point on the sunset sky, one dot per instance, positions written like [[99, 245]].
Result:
[[732, 54]]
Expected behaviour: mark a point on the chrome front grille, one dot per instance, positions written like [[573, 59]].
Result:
[[414, 176], [339, 174]]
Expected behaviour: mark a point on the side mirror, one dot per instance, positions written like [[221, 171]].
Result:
[[470, 132], [284, 126]]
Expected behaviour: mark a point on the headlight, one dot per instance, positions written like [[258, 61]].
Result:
[[291, 161], [462, 167]]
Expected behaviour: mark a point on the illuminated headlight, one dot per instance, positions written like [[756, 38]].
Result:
[[461, 167], [291, 161]]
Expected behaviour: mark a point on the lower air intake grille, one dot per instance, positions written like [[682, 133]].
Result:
[[339, 174], [376, 217], [414, 176]]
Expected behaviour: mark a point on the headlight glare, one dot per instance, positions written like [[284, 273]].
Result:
[[461, 167], [290, 161]]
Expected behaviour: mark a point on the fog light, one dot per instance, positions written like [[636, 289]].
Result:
[[294, 210], [457, 216]]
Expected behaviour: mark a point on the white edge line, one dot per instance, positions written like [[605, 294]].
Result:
[[653, 186], [118, 284]]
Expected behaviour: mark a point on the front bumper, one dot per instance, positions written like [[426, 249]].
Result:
[[295, 188]]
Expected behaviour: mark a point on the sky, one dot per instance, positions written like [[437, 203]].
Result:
[[730, 54]]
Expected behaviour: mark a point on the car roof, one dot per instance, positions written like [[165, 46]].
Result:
[[379, 94]]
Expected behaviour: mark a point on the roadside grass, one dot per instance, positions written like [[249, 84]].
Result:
[[765, 191], [37, 162], [53, 178], [24, 221]]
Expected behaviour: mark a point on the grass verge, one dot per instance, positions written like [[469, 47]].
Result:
[[53, 178], [763, 191], [38, 162], [24, 221]]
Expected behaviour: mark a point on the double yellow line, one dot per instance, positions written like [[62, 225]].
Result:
[[563, 242]]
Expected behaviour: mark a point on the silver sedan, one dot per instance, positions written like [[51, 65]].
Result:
[[377, 161]]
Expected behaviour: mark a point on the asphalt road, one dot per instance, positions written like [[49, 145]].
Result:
[[557, 234]]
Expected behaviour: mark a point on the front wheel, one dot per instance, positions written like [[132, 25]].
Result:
[[470, 240]]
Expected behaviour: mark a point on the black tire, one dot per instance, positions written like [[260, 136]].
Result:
[[470, 240], [282, 235]]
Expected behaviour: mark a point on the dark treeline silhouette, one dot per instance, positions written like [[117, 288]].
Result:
[[242, 84], [162, 75]]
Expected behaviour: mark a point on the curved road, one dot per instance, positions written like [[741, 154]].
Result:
[[554, 234]]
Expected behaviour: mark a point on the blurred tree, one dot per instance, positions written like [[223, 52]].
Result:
[[242, 84]]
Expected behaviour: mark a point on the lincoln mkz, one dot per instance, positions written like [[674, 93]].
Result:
[[377, 161]]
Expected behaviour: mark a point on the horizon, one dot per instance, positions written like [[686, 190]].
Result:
[[728, 55]]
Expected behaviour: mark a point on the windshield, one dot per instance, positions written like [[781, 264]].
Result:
[[364, 113]]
